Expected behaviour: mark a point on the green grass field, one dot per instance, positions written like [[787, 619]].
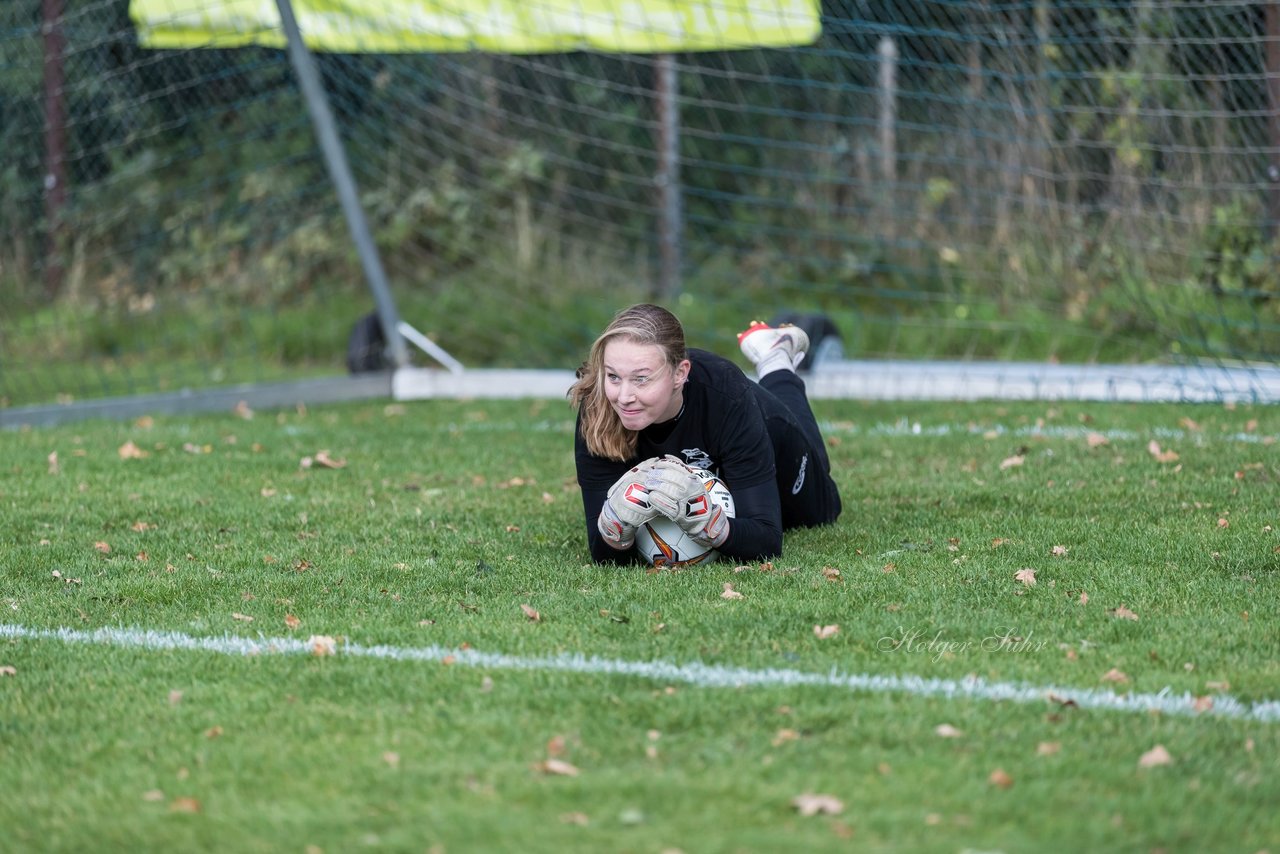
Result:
[[489, 690]]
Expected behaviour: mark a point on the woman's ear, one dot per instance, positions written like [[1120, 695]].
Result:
[[682, 372]]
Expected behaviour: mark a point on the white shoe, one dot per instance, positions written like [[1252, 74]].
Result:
[[768, 347]]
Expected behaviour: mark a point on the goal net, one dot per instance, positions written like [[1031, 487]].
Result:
[[978, 198]]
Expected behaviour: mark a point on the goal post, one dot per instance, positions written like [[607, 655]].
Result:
[[335, 157]]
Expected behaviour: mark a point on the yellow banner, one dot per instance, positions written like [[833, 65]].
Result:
[[494, 26]]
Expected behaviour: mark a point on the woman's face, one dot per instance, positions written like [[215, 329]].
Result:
[[639, 384]]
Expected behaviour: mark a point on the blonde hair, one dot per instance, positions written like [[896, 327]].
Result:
[[641, 324]]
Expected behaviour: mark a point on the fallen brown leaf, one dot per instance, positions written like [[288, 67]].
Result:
[[322, 645], [1000, 779], [531, 613], [102, 548], [783, 736], [1064, 702], [1048, 748], [1154, 757], [130, 451], [1114, 675], [244, 618], [1153, 448], [1027, 576], [1122, 613], [325, 461], [291, 622], [730, 593], [558, 767], [824, 632], [947, 731], [1012, 462], [1096, 440], [187, 805], [809, 804], [8, 670], [1058, 551]]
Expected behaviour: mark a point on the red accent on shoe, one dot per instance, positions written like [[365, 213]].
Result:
[[756, 326]]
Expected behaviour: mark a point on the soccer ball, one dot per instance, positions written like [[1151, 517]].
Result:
[[663, 543]]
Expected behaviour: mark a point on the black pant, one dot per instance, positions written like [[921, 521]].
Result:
[[809, 495]]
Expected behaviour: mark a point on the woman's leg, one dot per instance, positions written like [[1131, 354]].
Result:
[[808, 493], [789, 388]]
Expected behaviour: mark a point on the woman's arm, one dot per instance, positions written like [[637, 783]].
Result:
[[601, 552], [755, 531]]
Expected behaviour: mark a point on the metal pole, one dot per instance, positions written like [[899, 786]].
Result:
[[888, 92], [340, 173], [670, 215], [1273, 115], [55, 141]]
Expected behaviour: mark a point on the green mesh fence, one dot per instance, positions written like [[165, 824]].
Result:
[[1063, 182]]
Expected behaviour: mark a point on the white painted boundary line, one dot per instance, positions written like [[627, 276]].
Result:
[[916, 380], [696, 674]]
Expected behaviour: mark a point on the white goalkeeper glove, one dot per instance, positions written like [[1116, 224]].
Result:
[[682, 496], [626, 507], [671, 485], [705, 520]]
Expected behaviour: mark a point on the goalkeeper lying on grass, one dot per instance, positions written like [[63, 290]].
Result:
[[648, 409]]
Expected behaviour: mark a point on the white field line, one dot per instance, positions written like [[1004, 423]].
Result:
[[905, 428], [696, 674]]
